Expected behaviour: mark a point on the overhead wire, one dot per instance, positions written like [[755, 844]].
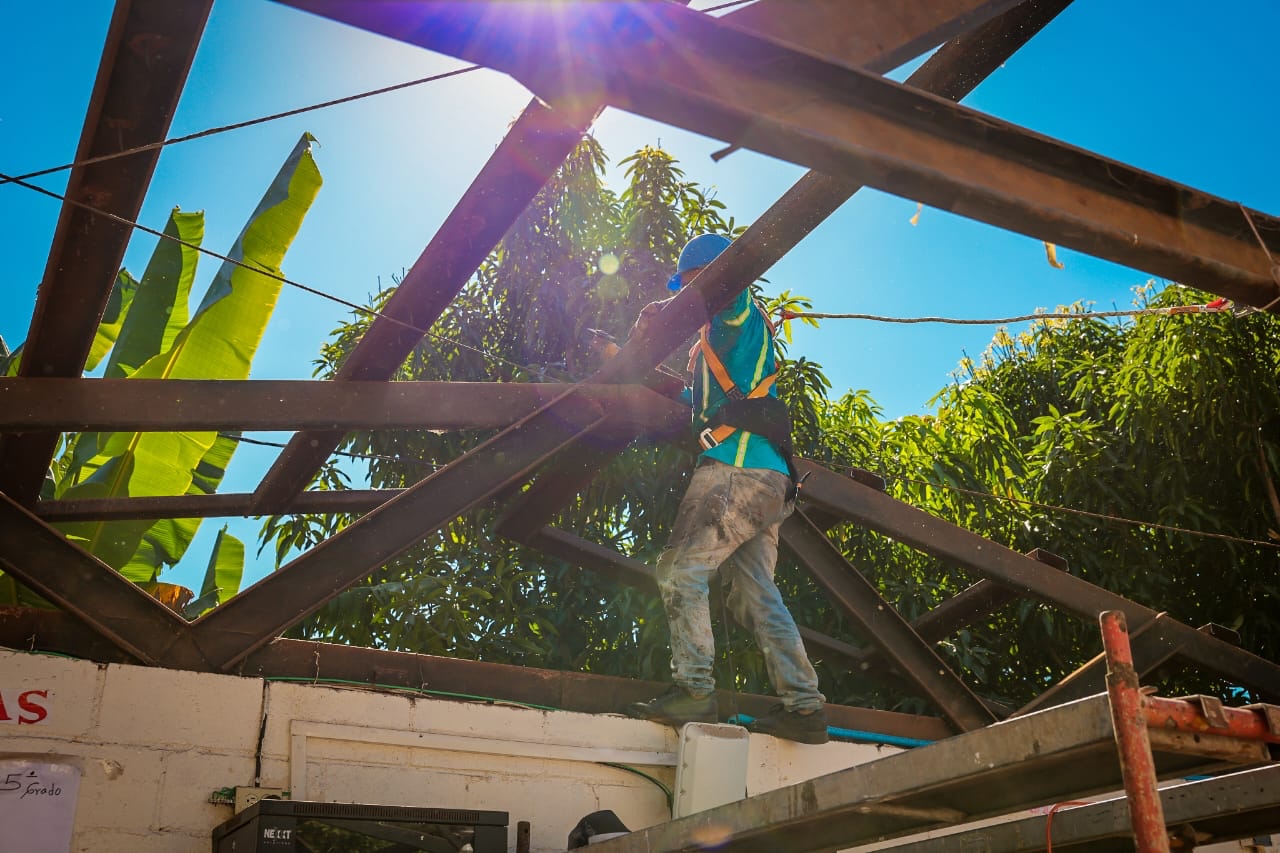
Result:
[[357, 308], [1098, 515], [728, 5], [373, 457], [152, 146], [214, 131], [1041, 315], [23, 180]]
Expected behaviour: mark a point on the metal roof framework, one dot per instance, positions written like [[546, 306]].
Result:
[[797, 81]]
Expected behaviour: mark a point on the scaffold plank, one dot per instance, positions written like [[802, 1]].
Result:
[[1224, 808], [1043, 758]]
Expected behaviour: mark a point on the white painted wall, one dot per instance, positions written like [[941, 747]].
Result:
[[152, 745]]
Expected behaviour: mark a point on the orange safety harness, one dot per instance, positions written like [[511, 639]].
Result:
[[711, 436], [755, 411]]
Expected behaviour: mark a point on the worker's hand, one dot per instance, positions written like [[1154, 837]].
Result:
[[647, 314]]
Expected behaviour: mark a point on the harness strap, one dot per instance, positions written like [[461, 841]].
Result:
[[712, 436]]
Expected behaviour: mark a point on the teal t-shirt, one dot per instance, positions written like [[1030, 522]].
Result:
[[741, 338]]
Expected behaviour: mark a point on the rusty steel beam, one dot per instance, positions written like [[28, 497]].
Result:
[[866, 34], [553, 489], [39, 630], [167, 405], [570, 691], [957, 67], [137, 624], [685, 69], [607, 562], [1029, 577], [1152, 646], [255, 616], [356, 501], [539, 141], [877, 620], [974, 602], [145, 60]]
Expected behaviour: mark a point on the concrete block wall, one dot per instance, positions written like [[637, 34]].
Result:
[[153, 745]]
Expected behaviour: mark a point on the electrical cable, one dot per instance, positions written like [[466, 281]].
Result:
[[151, 146], [4, 178], [359, 309], [1098, 515], [240, 125], [666, 790], [973, 492], [1000, 321], [365, 456], [728, 5], [1048, 820]]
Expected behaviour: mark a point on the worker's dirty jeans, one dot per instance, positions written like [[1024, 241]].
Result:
[[729, 520]]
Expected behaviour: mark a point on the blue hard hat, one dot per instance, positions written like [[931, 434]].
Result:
[[697, 253]]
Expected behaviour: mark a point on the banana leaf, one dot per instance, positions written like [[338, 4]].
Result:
[[9, 361], [218, 343], [160, 308], [223, 575], [166, 541], [113, 318]]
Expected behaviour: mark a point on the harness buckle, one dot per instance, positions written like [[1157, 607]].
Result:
[[707, 439]]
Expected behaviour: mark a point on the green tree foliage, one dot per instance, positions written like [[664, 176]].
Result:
[[1169, 419]]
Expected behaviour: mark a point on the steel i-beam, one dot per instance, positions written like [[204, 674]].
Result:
[[683, 68], [148, 51]]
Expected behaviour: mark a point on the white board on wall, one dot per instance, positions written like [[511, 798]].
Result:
[[37, 805]]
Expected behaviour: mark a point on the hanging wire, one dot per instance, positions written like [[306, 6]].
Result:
[[1275, 267], [373, 457], [1211, 308], [728, 5], [1098, 515], [359, 309], [213, 131], [152, 146], [22, 180]]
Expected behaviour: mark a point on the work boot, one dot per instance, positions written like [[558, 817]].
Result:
[[676, 707], [792, 725]]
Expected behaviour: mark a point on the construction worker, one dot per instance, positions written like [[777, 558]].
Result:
[[741, 491]]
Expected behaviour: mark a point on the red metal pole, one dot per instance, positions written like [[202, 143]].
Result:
[[1137, 767], [1183, 715]]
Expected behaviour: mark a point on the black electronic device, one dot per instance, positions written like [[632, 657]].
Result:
[[295, 826]]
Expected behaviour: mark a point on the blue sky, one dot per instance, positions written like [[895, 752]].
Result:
[[1172, 87]]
